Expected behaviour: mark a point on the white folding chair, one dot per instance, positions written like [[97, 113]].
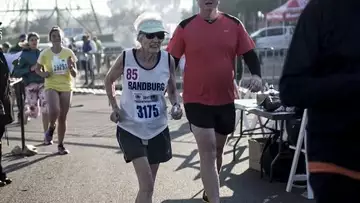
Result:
[[298, 149]]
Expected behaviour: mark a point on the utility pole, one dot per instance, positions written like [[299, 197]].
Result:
[[95, 17], [195, 8], [27, 17], [57, 13]]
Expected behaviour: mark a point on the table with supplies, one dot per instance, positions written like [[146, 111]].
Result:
[[249, 106]]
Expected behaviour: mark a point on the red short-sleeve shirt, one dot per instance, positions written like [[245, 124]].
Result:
[[210, 50]]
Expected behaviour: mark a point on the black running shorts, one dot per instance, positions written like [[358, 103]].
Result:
[[221, 118], [157, 149]]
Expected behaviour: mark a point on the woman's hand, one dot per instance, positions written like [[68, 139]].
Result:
[[45, 74], [71, 63], [33, 68]]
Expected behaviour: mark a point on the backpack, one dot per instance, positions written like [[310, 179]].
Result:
[[282, 166]]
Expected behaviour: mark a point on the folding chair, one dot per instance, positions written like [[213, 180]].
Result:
[[298, 149]]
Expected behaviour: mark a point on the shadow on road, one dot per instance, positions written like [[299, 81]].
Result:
[[19, 165], [248, 187], [182, 130], [70, 143]]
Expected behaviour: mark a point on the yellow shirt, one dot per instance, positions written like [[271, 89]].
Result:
[[60, 78]]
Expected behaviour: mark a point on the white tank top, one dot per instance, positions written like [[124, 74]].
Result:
[[142, 102]]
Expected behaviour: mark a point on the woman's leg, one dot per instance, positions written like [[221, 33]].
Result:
[[32, 100], [53, 101], [65, 100], [135, 151], [146, 180], [44, 107]]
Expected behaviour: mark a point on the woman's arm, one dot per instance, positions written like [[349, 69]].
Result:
[[171, 88], [38, 70], [114, 73], [21, 68]]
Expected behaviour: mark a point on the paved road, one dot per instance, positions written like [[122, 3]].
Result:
[[95, 172]]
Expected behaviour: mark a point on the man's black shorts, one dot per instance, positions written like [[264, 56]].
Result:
[[157, 149], [221, 118]]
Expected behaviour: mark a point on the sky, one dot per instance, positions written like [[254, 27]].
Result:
[[99, 5]]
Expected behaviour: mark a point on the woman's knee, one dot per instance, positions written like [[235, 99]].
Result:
[[147, 187]]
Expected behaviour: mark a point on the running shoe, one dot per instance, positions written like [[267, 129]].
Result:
[[204, 197], [62, 150], [48, 139]]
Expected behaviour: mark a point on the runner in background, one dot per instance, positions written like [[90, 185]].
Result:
[[5, 47], [35, 101], [211, 41], [142, 123], [19, 45], [17, 49], [57, 65], [88, 49], [99, 51]]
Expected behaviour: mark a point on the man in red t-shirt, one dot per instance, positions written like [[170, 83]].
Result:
[[210, 42]]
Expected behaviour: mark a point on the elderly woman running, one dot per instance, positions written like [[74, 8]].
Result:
[[142, 124], [57, 65]]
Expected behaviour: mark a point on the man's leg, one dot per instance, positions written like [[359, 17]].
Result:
[[206, 142], [220, 143], [84, 67], [2, 131], [334, 188], [4, 180], [224, 125], [202, 124], [91, 71]]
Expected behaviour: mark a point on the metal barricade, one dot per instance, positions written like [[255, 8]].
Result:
[[272, 61]]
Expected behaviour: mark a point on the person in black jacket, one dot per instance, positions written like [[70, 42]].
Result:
[[6, 116], [322, 74]]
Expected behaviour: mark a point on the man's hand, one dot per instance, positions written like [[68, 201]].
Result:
[[255, 83], [176, 112]]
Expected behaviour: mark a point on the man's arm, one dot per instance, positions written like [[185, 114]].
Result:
[[245, 48], [176, 46], [252, 61], [114, 73], [93, 47], [172, 90]]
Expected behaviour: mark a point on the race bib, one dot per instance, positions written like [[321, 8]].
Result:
[[59, 66], [147, 106]]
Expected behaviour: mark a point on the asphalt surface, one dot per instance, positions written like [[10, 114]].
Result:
[[95, 171]]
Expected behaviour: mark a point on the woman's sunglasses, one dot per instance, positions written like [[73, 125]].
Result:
[[159, 35]]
